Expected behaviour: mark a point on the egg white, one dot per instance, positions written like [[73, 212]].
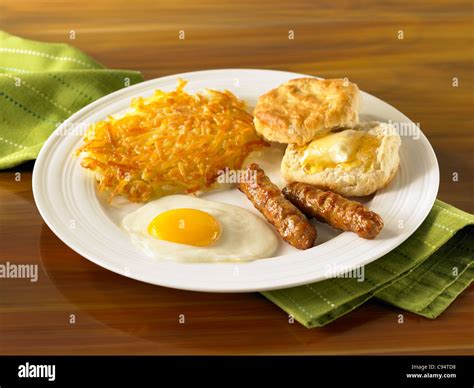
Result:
[[244, 236]]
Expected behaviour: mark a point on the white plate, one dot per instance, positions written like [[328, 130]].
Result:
[[67, 199]]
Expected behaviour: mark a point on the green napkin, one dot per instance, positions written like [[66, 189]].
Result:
[[423, 275], [41, 85]]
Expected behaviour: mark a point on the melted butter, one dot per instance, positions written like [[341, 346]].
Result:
[[348, 149]]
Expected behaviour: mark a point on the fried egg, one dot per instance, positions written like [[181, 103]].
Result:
[[185, 228]]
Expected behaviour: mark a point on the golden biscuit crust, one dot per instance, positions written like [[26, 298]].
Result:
[[303, 108]]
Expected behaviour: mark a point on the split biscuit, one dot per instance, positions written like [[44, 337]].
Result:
[[371, 166]]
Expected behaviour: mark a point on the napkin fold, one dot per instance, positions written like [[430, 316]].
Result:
[[41, 85], [424, 275]]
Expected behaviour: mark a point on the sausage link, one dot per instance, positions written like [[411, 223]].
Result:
[[288, 220], [334, 209]]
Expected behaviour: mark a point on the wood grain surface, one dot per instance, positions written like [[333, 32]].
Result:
[[358, 40]]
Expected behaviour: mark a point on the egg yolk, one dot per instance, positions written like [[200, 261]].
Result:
[[186, 226]]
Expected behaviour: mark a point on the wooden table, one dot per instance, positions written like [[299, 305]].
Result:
[[116, 315]]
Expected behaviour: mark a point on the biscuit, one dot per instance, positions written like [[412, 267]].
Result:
[[358, 180], [303, 108]]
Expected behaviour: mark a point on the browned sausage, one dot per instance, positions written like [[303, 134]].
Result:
[[290, 223], [334, 209]]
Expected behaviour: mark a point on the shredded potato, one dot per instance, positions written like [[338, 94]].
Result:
[[171, 142]]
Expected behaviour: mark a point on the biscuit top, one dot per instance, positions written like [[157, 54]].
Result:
[[303, 108]]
